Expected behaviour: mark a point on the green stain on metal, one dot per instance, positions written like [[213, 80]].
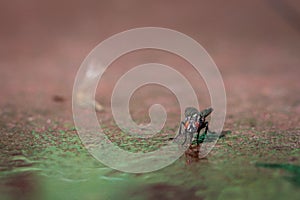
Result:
[[294, 170], [67, 171]]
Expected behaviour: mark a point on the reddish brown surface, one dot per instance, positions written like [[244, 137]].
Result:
[[255, 45]]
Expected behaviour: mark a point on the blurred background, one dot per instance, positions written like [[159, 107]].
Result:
[[255, 44], [44, 42]]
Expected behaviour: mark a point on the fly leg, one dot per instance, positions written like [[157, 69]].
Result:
[[191, 138], [206, 128], [205, 125], [180, 133], [185, 137]]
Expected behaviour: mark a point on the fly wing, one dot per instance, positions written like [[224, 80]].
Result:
[[206, 112], [189, 111]]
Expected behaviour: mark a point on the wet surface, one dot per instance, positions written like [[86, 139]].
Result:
[[294, 171], [57, 166]]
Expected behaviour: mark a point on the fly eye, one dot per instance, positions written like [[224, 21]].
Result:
[[186, 124]]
